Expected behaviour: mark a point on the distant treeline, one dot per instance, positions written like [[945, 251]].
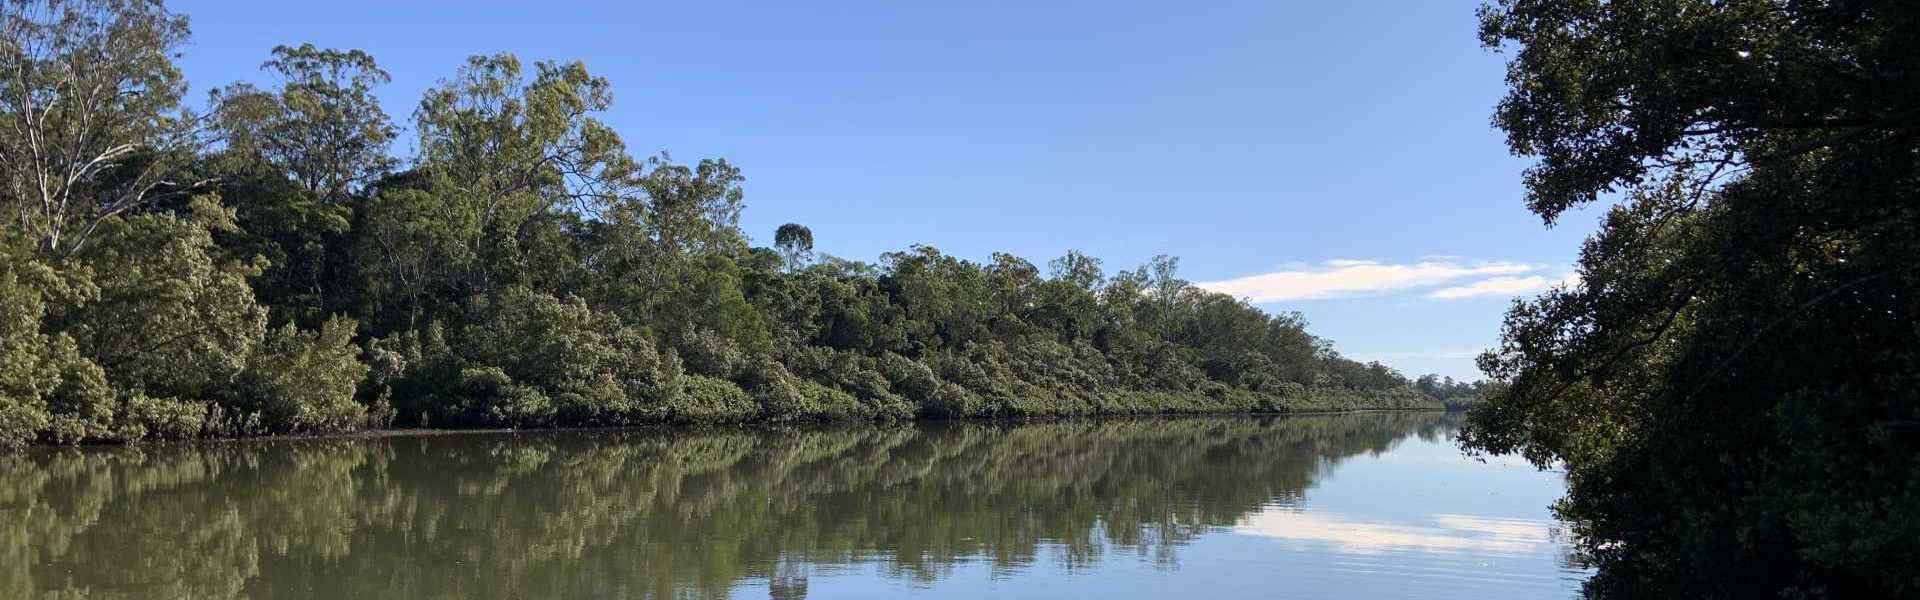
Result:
[[1456, 395], [266, 266]]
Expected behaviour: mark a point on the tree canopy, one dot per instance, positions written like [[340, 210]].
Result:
[[1730, 386]]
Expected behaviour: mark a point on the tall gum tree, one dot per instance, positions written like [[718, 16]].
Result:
[[93, 127]]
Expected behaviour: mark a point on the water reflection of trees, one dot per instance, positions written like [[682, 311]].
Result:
[[643, 514]]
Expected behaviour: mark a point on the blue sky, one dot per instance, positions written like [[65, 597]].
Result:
[[1333, 158]]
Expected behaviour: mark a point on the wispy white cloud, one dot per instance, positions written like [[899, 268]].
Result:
[[1502, 286], [1355, 277], [1505, 286], [1416, 354]]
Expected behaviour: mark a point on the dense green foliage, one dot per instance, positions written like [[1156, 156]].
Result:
[[1731, 389], [1456, 395], [267, 267], [646, 514]]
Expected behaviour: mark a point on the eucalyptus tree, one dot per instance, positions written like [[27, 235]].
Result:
[[1076, 268], [94, 127], [1013, 285], [500, 156], [323, 128], [513, 147], [685, 275], [695, 210], [1067, 302], [1162, 278], [144, 318], [293, 159], [502, 151], [795, 243]]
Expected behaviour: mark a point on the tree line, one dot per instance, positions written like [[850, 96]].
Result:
[[266, 265]]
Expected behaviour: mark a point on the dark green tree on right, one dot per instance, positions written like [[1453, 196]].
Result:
[[1732, 386]]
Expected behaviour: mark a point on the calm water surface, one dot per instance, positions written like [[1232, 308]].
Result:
[[1347, 506]]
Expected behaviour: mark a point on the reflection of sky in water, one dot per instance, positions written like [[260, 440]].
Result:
[[1417, 521], [1457, 534]]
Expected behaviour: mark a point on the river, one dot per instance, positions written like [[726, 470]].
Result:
[[1371, 505]]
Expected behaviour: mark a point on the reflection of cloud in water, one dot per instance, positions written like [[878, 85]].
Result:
[[1454, 534]]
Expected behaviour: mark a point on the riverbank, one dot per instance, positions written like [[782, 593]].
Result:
[[672, 428], [1125, 405]]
